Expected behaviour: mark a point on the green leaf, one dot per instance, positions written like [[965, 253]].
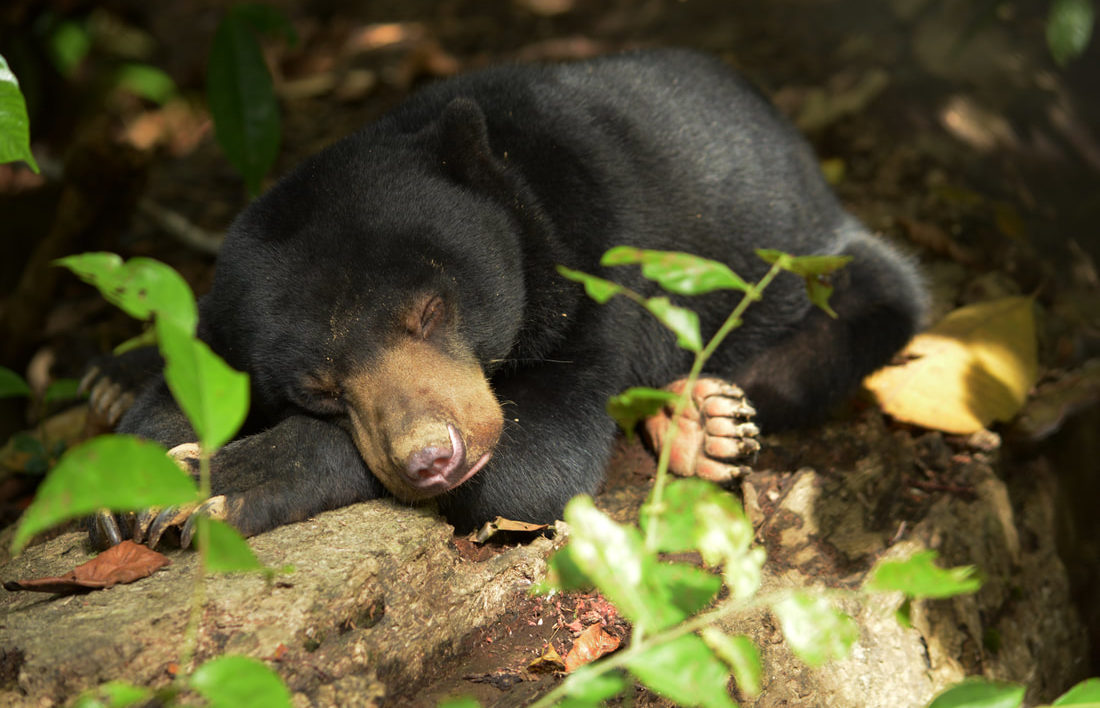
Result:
[[819, 291], [772, 256], [904, 614], [148, 338], [1084, 693], [228, 552], [614, 557], [141, 287], [814, 270], [1069, 28], [598, 289], [699, 515], [805, 266], [685, 670], [980, 693], [920, 577], [113, 694], [25, 442], [683, 322], [740, 654], [636, 404], [118, 472], [12, 384], [145, 81], [815, 631], [690, 588], [240, 682], [680, 524], [590, 685], [62, 390], [213, 395], [68, 44], [15, 127], [242, 100], [563, 574], [676, 272]]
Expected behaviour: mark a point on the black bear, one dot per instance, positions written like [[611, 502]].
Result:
[[395, 301]]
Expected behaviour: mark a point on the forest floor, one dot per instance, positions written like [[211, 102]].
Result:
[[944, 126]]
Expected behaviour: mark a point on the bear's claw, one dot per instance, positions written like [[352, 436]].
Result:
[[104, 530], [149, 525], [107, 399], [716, 439]]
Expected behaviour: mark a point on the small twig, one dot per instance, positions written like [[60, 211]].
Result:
[[178, 227]]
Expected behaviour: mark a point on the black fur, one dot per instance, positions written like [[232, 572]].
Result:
[[474, 189]]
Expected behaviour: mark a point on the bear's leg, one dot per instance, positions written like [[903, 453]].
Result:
[[797, 380], [716, 439], [112, 382], [555, 444], [288, 472]]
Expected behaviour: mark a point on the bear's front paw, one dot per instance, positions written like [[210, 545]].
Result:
[[147, 526], [716, 439], [108, 398]]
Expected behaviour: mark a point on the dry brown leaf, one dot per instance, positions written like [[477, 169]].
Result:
[[1053, 403], [975, 366], [549, 662], [124, 563], [589, 646], [503, 525]]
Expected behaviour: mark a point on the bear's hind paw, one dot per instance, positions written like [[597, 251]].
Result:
[[716, 439]]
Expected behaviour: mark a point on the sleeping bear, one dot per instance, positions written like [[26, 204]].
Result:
[[395, 301]]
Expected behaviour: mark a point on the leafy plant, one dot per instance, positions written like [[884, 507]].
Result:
[[42, 452], [240, 92], [1069, 28], [15, 128], [677, 648], [124, 473]]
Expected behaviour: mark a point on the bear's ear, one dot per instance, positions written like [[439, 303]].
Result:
[[464, 145]]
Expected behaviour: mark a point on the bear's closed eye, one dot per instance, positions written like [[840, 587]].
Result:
[[423, 319], [322, 394]]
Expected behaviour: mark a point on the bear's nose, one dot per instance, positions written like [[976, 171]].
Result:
[[435, 463]]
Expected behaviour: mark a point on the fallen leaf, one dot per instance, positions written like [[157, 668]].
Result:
[[549, 662], [974, 367], [1055, 402], [591, 645], [124, 563], [502, 525]]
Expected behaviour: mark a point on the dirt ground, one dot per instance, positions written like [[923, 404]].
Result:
[[944, 125]]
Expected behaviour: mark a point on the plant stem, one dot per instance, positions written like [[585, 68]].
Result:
[[654, 505], [198, 597]]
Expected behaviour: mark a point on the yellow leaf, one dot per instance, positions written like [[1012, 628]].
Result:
[[974, 367]]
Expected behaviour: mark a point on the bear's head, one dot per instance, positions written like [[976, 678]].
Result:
[[379, 285]]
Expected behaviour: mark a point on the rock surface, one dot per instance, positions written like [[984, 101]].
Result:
[[377, 596], [875, 494]]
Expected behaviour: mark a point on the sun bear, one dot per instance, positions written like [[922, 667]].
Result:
[[395, 302]]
